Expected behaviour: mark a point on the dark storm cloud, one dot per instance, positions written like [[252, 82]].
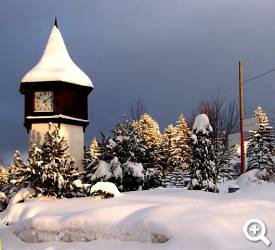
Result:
[[170, 53]]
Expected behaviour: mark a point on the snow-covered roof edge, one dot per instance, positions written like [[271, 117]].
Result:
[[56, 64]]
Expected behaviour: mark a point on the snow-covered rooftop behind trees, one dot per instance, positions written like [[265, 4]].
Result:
[[56, 64], [202, 124]]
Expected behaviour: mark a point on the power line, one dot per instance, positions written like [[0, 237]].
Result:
[[260, 75]]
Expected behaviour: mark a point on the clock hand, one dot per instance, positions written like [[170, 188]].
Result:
[[46, 99]]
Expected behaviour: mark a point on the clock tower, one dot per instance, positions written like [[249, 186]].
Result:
[[56, 90]]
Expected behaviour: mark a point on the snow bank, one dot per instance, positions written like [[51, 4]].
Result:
[[249, 179], [201, 124], [22, 195], [183, 219]]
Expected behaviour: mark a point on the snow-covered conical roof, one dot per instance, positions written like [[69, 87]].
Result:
[[56, 64]]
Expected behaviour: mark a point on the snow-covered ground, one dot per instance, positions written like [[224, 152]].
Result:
[[155, 219]]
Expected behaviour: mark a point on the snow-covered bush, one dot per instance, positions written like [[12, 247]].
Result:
[[203, 168], [133, 176], [248, 179], [153, 178], [176, 177], [108, 172], [260, 147], [3, 201], [104, 190]]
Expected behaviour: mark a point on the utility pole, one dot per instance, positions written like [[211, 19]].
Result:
[[241, 116]]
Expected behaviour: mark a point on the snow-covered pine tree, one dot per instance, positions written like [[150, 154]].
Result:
[[91, 159], [167, 148], [122, 148], [149, 134], [260, 147], [4, 179], [166, 155], [49, 170], [203, 168], [19, 174], [121, 158], [56, 172], [124, 144], [94, 149], [226, 165], [133, 176], [148, 131], [174, 178], [175, 153], [182, 153]]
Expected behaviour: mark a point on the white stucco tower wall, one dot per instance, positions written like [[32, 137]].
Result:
[[74, 136]]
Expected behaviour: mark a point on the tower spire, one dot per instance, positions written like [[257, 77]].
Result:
[[55, 22]]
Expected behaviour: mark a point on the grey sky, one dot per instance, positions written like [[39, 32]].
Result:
[[171, 53]]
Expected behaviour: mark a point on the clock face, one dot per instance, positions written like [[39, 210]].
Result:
[[43, 101]]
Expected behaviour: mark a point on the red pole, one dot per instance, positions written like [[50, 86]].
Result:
[[241, 116]]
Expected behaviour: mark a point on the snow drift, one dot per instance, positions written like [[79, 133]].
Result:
[[177, 218]]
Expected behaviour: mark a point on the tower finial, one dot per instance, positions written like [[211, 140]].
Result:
[[55, 22]]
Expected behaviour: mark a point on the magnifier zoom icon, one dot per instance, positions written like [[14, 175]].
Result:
[[255, 230]]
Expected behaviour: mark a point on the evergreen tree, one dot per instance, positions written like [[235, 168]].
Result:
[[149, 134], [167, 155], [204, 172], [124, 144], [148, 131], [4, 179], [49, 170], [174, 155], [182, 153], [133, 176], [19, 174], [94, 149], [91, 159], [122, 148], [227, 167], [260, 148], [121, 157], [175, 178]]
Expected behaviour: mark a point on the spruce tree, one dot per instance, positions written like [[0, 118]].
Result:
[[174, 178], [116, 153], [94, 149], [175, 152], [148, 131], [19, 174], [121, 157], [4, 179], [260, 147], [183, 148], [227, 167], [49, 170], [149, 134], [203, 168], [167, 151], [91, 159]]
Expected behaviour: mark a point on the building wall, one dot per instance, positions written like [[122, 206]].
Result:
[[72, 133]]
